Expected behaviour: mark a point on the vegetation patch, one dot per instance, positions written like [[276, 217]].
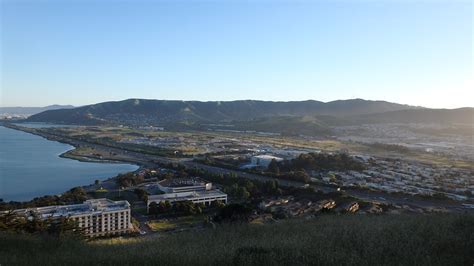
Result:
[[326, 240]]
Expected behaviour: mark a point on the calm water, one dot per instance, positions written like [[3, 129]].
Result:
[[30, 166]]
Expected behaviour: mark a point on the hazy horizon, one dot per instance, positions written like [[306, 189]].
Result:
[[84, 52]]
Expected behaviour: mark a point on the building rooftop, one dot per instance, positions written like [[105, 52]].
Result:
[[267, 157], [88, 207], [189, 195], [182, 182]]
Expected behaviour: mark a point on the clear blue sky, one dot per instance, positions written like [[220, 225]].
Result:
[[82, 52]]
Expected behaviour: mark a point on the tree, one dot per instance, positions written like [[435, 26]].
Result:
[[217, 204], [168, 205], [96, 182], [250, 186], [153, 208], [300, 176], [243, 193], [273, 167], [162, 207], [141, 194], [198, 209], [270, 186]]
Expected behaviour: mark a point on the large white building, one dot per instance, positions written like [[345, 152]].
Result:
[[263, 160], [98, 217], [187, 190]]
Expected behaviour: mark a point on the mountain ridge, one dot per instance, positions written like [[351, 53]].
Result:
[[250, 114]]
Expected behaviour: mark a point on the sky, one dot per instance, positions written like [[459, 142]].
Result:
[[83, 52]]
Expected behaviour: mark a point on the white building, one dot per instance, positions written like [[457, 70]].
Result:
[[98, 217], [187, 190], [183, 185], [263, 160]]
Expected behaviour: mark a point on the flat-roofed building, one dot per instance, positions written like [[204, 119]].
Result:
[[187, 189], [97, 217], [183, 185]]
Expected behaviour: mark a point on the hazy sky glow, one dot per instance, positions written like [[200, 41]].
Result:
[[82, 52]]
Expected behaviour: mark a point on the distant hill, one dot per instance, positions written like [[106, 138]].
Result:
[[27, 111], [297, 117], [427, 116], [195, 113]]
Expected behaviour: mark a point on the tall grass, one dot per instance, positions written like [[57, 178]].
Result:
[[326, 240]]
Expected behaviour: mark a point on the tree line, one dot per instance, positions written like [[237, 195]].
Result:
[[297, 169], [74, 196], [180, 208]]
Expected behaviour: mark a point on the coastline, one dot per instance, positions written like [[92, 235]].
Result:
[[69, 154]]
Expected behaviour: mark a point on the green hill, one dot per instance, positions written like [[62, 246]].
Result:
[[326, 240]]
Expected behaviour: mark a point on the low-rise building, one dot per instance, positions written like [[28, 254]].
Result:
[[262, 160], [97, 217], [190, 189], [177, 185], [205, 197]]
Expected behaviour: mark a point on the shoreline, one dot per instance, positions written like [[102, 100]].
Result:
[[67, 155]]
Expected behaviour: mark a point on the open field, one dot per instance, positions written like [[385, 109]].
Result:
[[201, 142], [326, 240]]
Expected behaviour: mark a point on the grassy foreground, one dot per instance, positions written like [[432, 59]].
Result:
[[326, 240]]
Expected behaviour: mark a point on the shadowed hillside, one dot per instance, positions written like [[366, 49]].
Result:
[[138, 111], [326, 240], [427, 116], [291, 118]]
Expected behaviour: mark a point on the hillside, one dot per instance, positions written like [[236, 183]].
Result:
[[27, 111], [427, 116], [162, 112], [305, 117], [326, 240]]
